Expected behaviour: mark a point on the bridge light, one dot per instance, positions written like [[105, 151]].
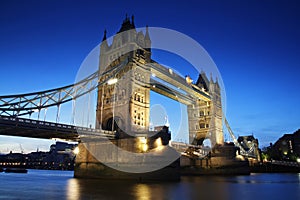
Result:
[[298, 160], [145, 147], [143, 144], [188, 79], [158, 143], [112, 81], [76, 150]]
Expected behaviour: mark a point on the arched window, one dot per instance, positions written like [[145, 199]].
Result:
[[201, 113], [135, 96], [139, 98], [202, 125]]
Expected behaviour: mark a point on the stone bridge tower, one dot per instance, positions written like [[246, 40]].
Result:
[[124, 103], [205, 117]]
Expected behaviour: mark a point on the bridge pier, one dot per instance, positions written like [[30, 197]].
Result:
[[123, 159]]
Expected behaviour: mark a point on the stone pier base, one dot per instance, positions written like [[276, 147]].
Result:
[[222, 161], [102, 160]]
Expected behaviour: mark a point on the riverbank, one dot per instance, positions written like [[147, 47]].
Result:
[[271, 167]]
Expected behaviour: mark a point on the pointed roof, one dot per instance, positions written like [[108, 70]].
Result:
[[127, 24], [203, 81]]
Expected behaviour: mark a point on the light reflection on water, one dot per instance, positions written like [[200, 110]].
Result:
[[38, 184], [143, 192]]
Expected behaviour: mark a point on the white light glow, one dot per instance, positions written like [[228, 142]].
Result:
[[76, 150], [112, 81]]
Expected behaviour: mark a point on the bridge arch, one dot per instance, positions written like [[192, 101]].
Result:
[[207, 142], [110, 125]]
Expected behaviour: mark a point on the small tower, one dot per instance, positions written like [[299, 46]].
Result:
[[205, 117]]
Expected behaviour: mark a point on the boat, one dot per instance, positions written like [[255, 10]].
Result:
[[15, 170]]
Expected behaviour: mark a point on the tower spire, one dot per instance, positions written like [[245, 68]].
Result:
[[132, 20], [147, 37], [104, 36]]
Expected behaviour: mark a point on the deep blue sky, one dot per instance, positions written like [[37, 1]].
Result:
[[255, 45]]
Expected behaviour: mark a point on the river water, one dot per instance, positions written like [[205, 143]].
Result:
[[44, 184]]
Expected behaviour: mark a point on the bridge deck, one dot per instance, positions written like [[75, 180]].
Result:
[[11, 126]]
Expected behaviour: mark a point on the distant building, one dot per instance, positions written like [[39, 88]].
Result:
[[59, 157], [287, 147]]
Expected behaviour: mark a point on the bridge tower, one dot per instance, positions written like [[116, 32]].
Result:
[[124, 104], [205, 117]]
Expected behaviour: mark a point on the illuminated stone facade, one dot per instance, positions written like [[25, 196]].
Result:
[[205, 117], [127, 100]]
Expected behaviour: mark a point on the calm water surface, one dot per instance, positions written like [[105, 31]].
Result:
[[44, 184]]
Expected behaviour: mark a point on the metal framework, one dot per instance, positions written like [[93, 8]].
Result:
[[243, 152], [26, 104]]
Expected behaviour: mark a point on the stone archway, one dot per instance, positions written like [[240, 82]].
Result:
[[115, 125], [207, 143]]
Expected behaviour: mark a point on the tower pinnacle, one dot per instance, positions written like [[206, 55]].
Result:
[[104, 36]]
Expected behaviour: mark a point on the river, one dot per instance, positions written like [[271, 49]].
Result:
[[46, 184]]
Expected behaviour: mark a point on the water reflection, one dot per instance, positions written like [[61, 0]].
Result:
[[105, 189], [187, 188], [212, 187], [142, 191], [73, 189]]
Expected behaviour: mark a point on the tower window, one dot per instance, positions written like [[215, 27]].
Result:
[[135, 96], [201, 113]]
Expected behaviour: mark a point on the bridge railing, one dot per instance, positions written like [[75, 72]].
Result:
[[31, 123]]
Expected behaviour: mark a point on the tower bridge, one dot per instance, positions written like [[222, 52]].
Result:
[[126, 75]]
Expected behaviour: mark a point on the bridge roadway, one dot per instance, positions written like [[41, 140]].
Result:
[[21, 127], [172, 78], [164, 90]]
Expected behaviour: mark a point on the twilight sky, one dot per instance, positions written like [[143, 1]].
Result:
[[255, 45]]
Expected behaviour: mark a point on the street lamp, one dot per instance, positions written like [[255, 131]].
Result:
[[113, 81]]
